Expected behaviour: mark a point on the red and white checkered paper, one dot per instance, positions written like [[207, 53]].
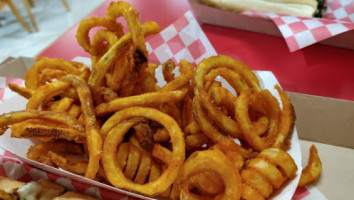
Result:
[[342, 10], [300, 32], [183, 39]]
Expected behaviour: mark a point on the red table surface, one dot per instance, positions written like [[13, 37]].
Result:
[[318, 70]]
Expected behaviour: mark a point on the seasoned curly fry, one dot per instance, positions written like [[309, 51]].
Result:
[[232, 77], [28, 130], [86, 25], [121, 8], [313, 169], [243, 103], [25, 92], [187, 114], [145, 168], [49, 74], [215, 161], [115, 51], [77, 167], [39, 152], [94, 140], [162, 153], [205, 123], [149, 84], [208, 183], [187, 73], [267, 172], [98, 43], [225, 123], [287, 119], [115, 128], [32, 80], [161, 135], [196, 140], [167, 67], [147, 99], [45, 92], [19, 116], [61, 105], [216, 61], [238, 75]]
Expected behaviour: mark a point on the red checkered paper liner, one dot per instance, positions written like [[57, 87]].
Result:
[[300, 32], [341, 10], [183, 39]]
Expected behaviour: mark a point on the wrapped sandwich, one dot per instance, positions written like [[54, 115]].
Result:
[[300, 8]]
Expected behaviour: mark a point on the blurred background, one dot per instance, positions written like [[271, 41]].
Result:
[[52, 18]]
